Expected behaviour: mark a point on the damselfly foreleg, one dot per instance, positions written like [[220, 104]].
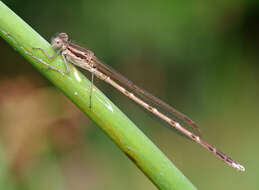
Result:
[[52, 58]]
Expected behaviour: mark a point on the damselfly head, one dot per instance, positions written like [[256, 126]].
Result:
[[59, 40], [63, 36]]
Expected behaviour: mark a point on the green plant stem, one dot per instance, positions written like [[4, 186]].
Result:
[[155, 165]]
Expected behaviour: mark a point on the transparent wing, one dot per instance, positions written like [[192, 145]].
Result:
[[144, 94]]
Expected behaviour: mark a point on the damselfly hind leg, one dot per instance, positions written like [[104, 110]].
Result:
[[89, 56]]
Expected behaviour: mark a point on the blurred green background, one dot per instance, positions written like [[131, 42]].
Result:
[[199, 56]]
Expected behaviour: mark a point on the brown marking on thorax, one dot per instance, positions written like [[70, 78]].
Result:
[[77, 53]]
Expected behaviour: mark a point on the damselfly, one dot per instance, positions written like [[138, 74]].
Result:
[[85, 59]]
